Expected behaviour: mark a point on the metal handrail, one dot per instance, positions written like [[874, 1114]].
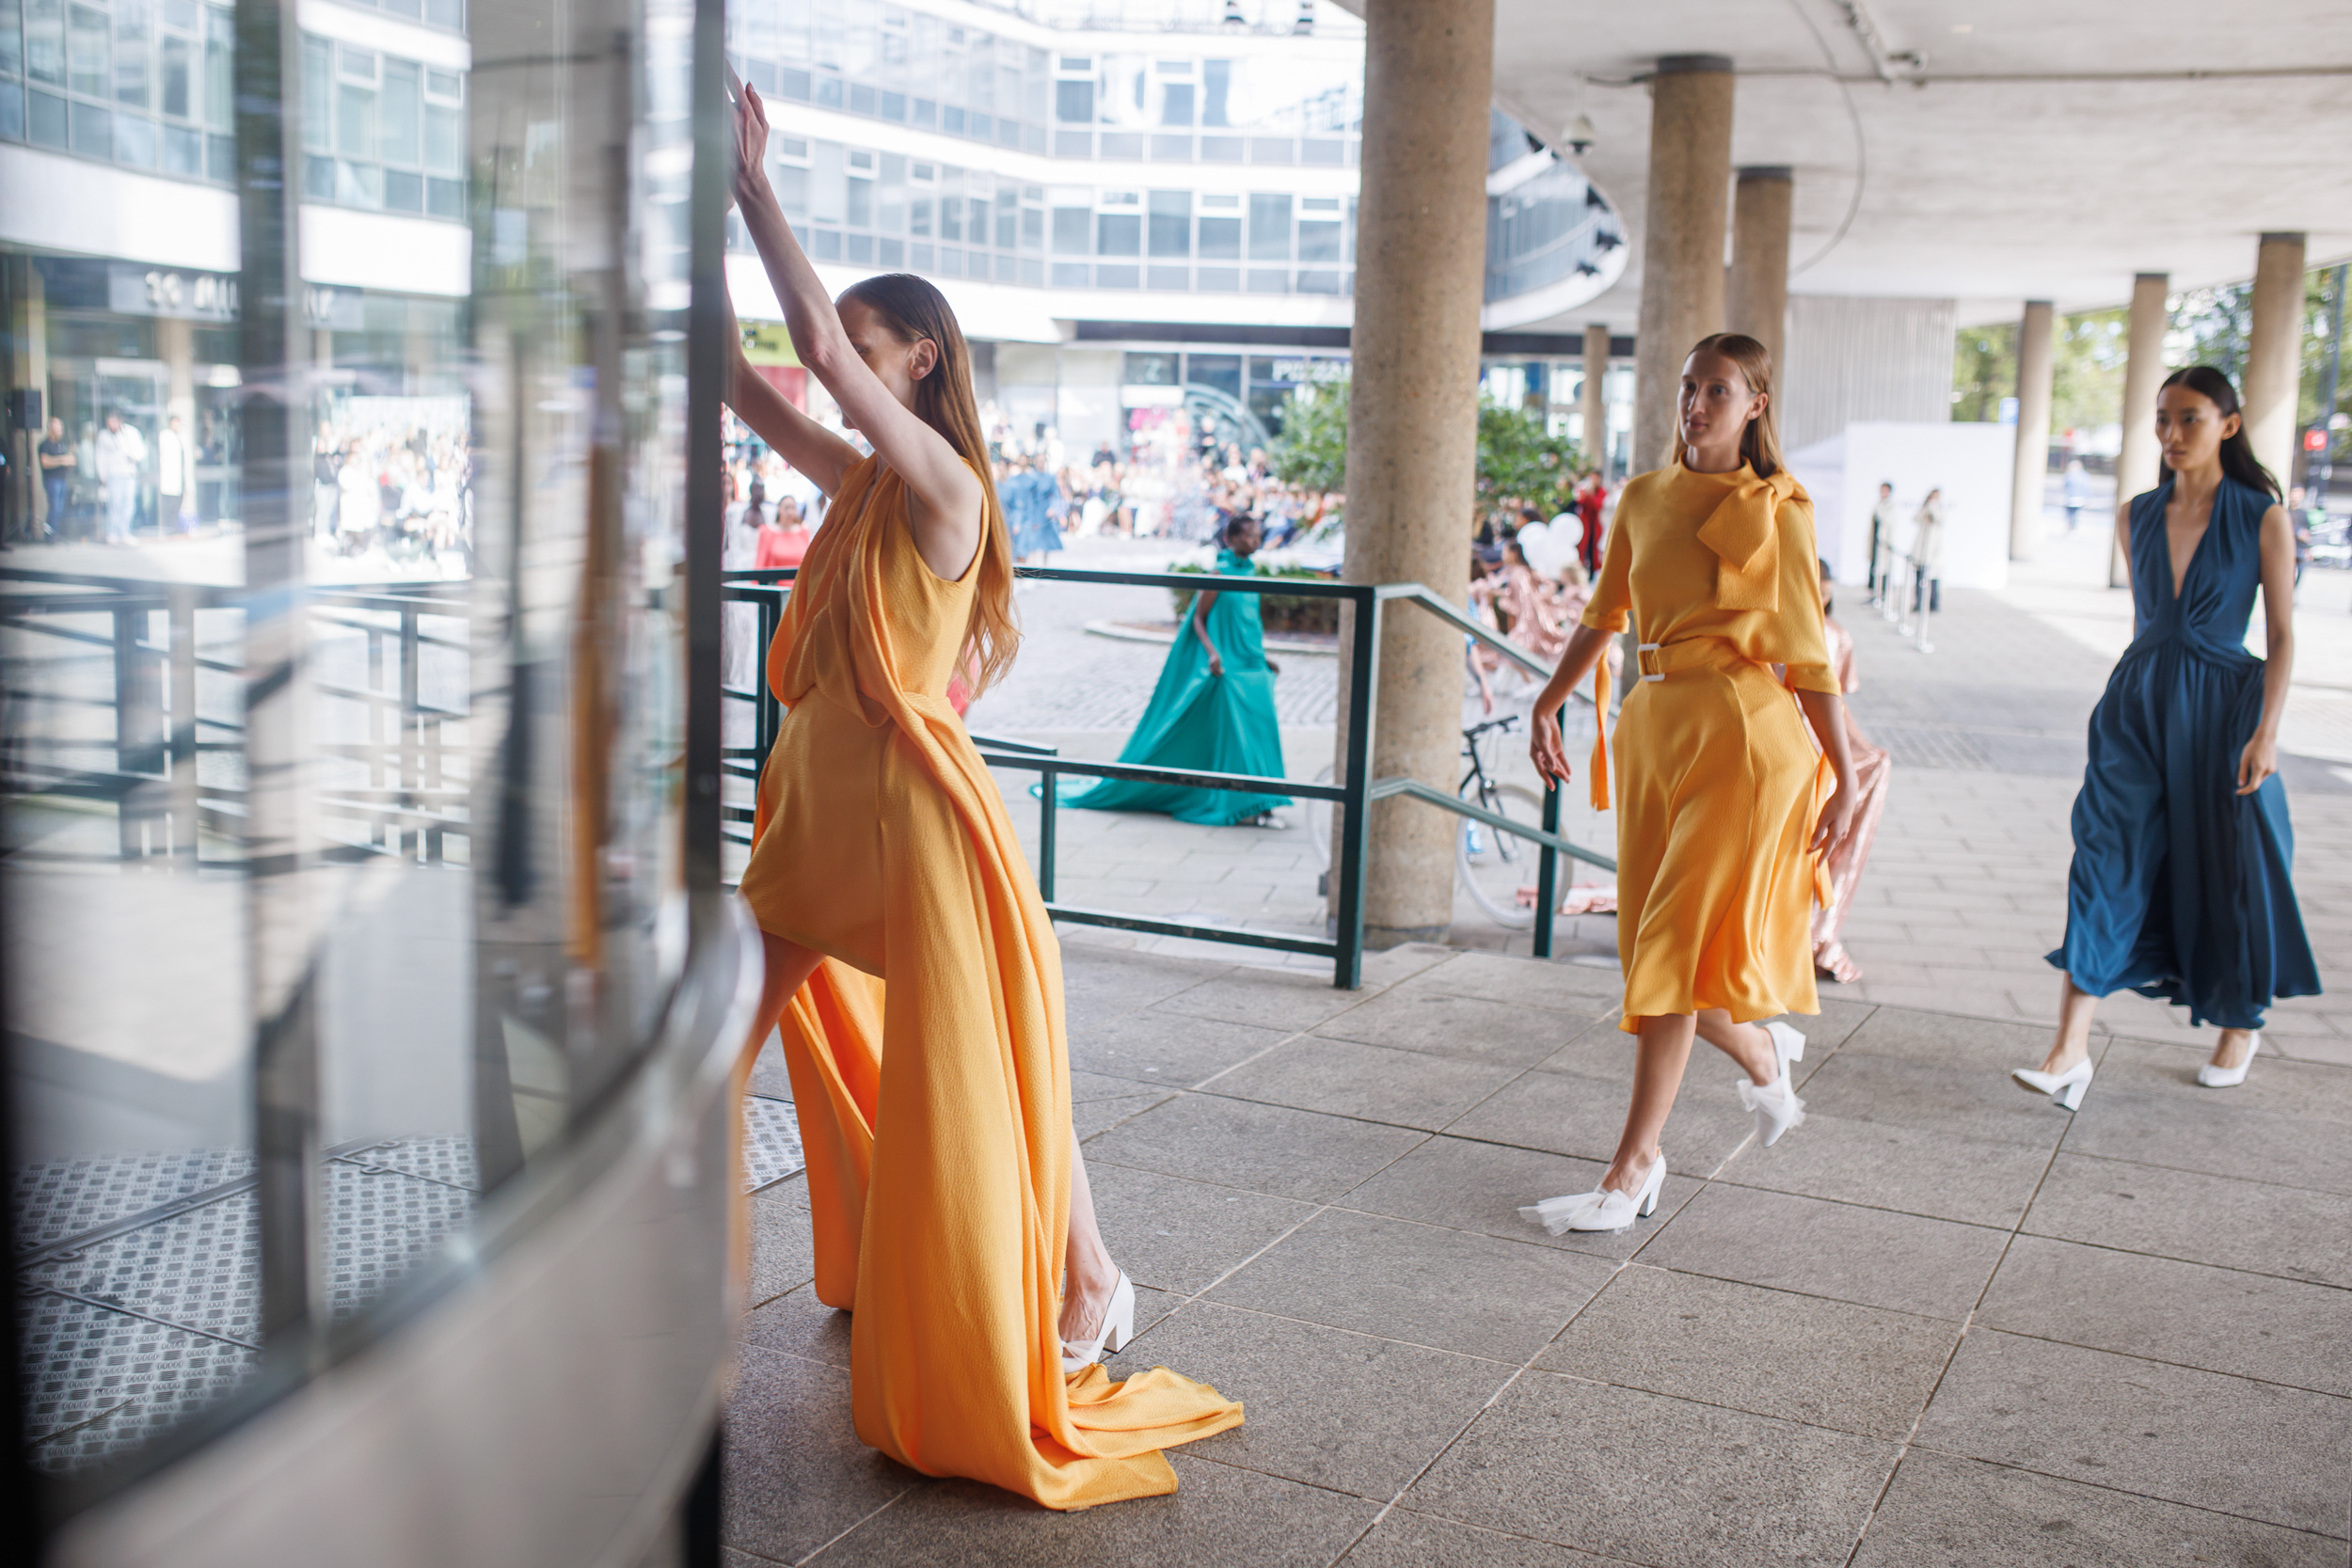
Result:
[[768, 586]]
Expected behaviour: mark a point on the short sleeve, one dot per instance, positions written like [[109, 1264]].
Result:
[[1612, 595], [1803, 640]]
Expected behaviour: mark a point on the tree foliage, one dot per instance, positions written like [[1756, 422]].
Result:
[[1517, 456]]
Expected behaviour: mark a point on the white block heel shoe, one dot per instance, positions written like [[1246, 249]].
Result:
[[2065, 1087], [1776, 1105], [2230, 1077], [1601, 1208], [1119, 1327]]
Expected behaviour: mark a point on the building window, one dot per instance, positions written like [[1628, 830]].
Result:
[[1221, 239], [1269, 227], [131, 82], [381, 132], [1171, 223], [1119, 234]]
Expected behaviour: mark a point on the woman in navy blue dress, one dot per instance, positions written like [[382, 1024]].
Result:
[[2180, 885]]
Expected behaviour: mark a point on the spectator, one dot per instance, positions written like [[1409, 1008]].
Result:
[[121, 461], [57, 477], [175, 481]]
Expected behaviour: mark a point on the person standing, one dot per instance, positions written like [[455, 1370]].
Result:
[[1723, 801], [175, 479], [2077, 489], [1212, 710], [1591, 495], [121, 461], [1872, 769], [2180, 887], [57, 459], [1883, 517], [910, 968]]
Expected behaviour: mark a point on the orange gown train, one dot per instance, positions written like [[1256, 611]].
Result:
[[930, 1068]]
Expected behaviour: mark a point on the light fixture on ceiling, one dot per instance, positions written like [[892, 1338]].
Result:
[[1963, 26], [1580, 134]]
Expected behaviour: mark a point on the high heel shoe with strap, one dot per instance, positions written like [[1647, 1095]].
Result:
[[1776, 1105], [1117, 1327], [2215, 1077], [2065, 1087], [1603, 1208]]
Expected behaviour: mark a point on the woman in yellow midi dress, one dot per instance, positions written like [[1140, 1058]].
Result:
[[911, 968], [1725, 805]]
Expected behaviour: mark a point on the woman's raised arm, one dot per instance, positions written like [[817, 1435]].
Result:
[[944, 491]]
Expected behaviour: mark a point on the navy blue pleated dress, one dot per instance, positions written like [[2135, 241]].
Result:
[[2180, 886]]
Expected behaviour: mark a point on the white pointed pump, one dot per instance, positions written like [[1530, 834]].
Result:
[[2065, 1087], [1602, 1208], [1776, 1105], [2215, 1077]]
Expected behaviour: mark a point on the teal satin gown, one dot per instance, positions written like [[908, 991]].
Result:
[[1214, 724]]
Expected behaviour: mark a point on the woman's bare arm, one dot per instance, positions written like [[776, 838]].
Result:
[[806, 444], [1826, 712], [2260, 760], [1586, 644], [1200, 618], [944, 495]]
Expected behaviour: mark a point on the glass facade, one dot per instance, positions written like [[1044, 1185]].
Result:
[[347, 645]]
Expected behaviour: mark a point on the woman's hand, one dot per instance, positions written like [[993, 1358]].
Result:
[[1217, 665], [2257, 762], [1838, 815], [1546, 748], [751, 148]]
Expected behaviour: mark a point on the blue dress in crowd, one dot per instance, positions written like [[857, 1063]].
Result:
[[1029, 499], [1212, 723], [2180, 886]]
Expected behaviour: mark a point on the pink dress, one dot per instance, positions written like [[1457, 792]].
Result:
[[1846, 864]]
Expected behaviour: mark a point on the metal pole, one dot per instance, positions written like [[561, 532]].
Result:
[[2322, 467], [1048, 816], [183, 802], [706, 359], [1548, 862], [1356, 828]]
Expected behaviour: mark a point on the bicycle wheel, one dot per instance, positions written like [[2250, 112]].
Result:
[[1493, 865]]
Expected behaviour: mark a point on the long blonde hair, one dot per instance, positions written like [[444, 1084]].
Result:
[[1760, 443], [914, 310]]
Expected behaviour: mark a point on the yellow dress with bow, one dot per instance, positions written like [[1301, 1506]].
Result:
[[930, 1068], [1719, 781]]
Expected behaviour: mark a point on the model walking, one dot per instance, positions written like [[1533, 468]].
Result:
[[2179, 888], [1212, 710], [911, 964], [1872, 767], [1723, 801]]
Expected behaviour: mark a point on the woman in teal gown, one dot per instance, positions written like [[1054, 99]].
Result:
[[1213, 711]]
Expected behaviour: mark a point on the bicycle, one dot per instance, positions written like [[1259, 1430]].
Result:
[[1490, 865]]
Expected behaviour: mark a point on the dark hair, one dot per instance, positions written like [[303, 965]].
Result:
[[1759, 440], [2237, 452], [913, 309]]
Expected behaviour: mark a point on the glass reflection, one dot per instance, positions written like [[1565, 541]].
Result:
[[342, 622]]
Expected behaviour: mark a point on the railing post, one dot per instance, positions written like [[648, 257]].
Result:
[[1356, 824], [1548, 869], [410, 721], [1048, 817], [185, 809]]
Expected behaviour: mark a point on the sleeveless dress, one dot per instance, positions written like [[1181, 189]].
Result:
[[2180, 887], [929, 1069], [1719, 781], [1214, 723]]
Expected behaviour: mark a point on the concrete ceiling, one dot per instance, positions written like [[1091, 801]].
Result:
[[2037, 148]]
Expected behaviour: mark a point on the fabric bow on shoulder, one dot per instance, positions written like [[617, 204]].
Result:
[[1745, 537]]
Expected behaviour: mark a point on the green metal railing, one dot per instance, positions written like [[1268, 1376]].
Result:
[[1353, 793]]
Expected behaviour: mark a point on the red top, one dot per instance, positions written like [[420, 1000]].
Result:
[[780, 547]]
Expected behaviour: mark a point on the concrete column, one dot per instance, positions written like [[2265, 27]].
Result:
[[1755, 292], [2135, 466], [2033, 430], [1595, 402], [1682, 241], [1412, 435], [2274, 353]]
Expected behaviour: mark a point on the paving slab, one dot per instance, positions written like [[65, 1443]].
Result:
[[2190, 1314], [2292, 1232], [1173, 1050], [1323, 1406], [1469, 1185], [2230, 1443], [2218, 1137], [795, 1475], [1404, 1538], [1183, 1236], [1456, 1290], [1585, 1465], [1916, 1171], [1582, 1116], [1373, 1083], [1414, 1017], [1263, 1148], [783, 1243], [1942, 1512], [1802, 1358]]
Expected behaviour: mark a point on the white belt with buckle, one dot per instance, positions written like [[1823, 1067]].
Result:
[[1647, 648]]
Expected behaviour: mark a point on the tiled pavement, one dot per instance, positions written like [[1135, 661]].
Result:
[[1941, 1323]]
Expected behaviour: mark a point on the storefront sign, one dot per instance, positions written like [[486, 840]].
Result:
[[205, 296]]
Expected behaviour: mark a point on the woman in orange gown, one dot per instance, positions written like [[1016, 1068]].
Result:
[[911, 968], [1872, 767]]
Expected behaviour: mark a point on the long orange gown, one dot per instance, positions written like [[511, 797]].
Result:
[[929, 1064], [1719, 781], [1845, 864]]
